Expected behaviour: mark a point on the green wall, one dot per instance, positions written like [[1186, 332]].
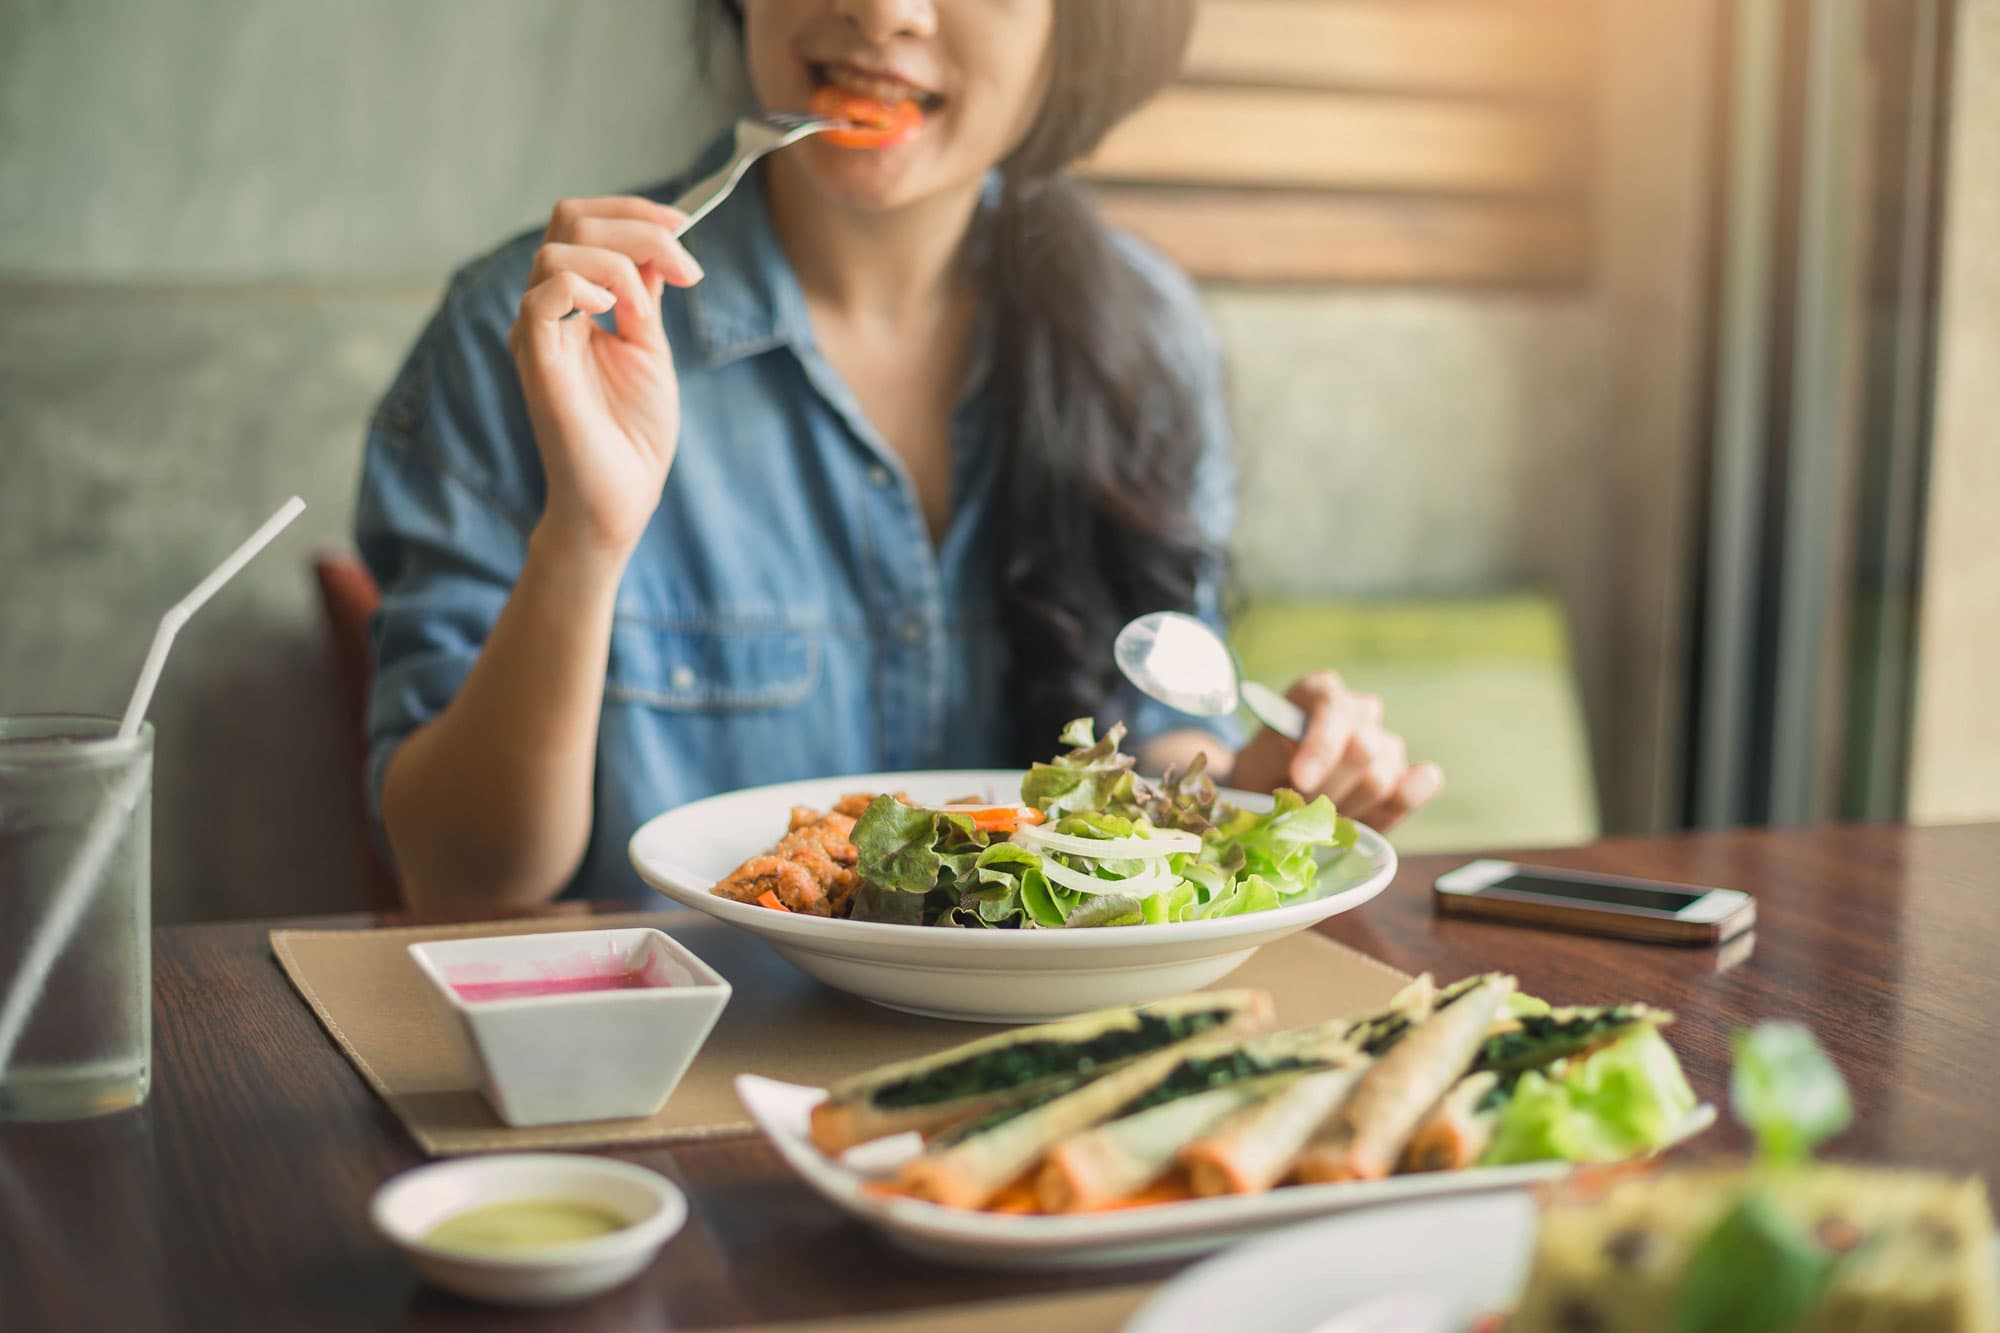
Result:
[[194, 140]]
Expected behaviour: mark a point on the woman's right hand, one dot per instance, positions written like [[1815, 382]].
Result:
[[605, 405]]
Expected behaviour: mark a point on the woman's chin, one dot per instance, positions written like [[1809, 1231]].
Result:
[[870, 180]]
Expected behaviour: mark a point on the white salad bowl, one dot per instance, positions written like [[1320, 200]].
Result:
[[990, 976]]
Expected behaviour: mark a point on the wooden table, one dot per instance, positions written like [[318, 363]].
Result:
[[237, 1198]]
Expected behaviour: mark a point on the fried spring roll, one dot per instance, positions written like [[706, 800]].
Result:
[[964, 1170], [979, 1078], [1368, 1138], [1539, 1040], [1253, 1148], [1120, 1158], [1457, 1130]]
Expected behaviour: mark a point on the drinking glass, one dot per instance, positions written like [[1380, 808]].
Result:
[[87, 1046]]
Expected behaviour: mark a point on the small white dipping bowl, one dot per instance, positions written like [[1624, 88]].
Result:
[[586, 1055], [410, 1205]]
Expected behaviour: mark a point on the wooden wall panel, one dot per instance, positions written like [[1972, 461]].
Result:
[[1238, 136], [1369, 141], [1535, 48], [1241, 236]]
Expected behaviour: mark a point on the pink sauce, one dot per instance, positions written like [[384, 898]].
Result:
[[475, 992]]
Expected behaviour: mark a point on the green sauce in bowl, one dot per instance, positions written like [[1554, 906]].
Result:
[[522, 1227]]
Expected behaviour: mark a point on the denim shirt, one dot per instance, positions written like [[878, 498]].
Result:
[[787, 614]]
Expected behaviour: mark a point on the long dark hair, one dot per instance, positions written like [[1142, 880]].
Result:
[[1100, 427]]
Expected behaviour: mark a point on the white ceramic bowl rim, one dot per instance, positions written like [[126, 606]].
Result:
[[706, 979], [1309, 910], [665, 1215]]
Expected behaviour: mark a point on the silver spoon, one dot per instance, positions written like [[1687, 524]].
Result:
[[1184, 663]]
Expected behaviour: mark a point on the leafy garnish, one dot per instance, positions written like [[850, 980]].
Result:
[[1184, 799], [1625, 1100], [1107, 909], [1786, 1091], [1283, 845], [1095, 775], [1757, 1271], [898, 846]]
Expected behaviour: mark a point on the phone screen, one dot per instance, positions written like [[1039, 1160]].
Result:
[[1638, 896]]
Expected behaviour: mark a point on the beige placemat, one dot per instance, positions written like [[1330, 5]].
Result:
[[1074, 1312], [779, 1023]]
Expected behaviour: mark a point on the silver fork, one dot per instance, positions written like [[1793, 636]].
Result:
[[755, 136]]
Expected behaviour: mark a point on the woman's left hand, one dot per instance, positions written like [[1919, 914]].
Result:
[[1346, 755]]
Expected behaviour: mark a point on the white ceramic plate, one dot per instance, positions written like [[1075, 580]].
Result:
[[784, 1110], [994, 976], [1427, 1267]]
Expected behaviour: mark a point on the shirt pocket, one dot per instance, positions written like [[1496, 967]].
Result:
[[714, 665]]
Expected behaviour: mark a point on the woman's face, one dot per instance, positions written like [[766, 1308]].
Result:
[[976, 68]]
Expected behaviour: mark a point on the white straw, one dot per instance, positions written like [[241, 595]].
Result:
[[182, 611], [79, 887]]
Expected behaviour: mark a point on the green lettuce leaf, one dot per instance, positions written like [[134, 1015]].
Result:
[[1184, 799], [1106, 909], [1786, 1091], [1283, 845], [927, 859], [1623, 1101], [1249, 893], [1095, 775], [994, 883], [887, 906], [898, 846], [1758, 1271]]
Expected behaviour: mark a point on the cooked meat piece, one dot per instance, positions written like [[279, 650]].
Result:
[[811, 868], [808, 854], [795, 886], [827, 839], [840, 893]]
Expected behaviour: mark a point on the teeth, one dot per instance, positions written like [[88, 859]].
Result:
[[847, 80]]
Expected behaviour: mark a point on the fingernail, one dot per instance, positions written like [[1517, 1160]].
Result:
[[1309, 773], [610, 297], [694, 269]]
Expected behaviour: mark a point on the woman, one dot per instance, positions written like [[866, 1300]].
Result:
[[864, 476]]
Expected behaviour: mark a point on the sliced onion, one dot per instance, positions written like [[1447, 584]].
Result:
[[1157, 880], [1164, 842]]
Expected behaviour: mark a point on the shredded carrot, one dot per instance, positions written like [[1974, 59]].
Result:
[[1019, 1199], [1166, 1191], [997, 818], [769, 898]]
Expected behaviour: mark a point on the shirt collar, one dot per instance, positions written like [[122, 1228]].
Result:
[[748, 300]]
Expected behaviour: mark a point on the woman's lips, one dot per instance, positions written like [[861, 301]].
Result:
[[880, 85]]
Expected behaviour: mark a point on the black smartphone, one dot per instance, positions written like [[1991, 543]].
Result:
[[1633, 909]]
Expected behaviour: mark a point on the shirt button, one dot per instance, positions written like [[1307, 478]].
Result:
[[682, 678], [878, 477], [913, 631]]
